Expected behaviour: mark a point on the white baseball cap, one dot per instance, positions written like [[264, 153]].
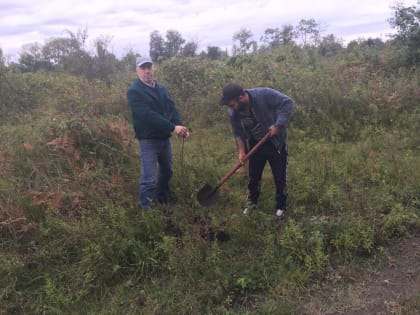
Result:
[[143, 60]]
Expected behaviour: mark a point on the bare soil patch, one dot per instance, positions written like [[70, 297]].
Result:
[[392, 287]]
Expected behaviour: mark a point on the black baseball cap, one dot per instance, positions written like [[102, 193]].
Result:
[[230, 91]]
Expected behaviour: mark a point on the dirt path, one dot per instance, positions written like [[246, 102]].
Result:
[[393, 288]]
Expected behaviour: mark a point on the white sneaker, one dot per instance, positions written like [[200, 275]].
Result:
[[248, 208], [280, 213]]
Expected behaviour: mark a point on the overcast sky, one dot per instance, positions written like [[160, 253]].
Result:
[[209, 22]]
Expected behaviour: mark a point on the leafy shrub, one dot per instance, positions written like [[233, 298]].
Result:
[[304, 249], [21, 94], [355, 235], [395, 223]]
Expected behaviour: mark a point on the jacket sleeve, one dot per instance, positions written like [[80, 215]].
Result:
[[283, 106], [175, 116], [144, 115]]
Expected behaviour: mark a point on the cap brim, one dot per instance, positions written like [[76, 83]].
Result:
[[144, 63]]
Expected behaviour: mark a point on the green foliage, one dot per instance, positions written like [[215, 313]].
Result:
[[308, 32], [396, 222], [275, 37], [304, 250], [354, 235], [214, 52], [20, 94], [173, 46], [407, 22], [74, 241], [182, 76], [195, 84], [411, 304], [246, 44]]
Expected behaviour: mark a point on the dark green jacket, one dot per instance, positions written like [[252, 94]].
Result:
[[153, 111]]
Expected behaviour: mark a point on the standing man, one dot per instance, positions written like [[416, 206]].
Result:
[[155, 117], [252, 114]]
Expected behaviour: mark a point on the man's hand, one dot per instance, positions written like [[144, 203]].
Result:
[[241, 151], [241, 158], [274, 131], [182, 131]]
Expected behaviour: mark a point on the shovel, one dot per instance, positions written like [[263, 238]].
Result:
[[207, 195]]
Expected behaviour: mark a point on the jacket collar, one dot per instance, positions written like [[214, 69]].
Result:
[[152, 85]]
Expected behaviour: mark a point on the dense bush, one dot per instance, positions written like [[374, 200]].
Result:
[[74, 241]]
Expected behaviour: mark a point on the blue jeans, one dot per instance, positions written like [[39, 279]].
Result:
[[156, 171]]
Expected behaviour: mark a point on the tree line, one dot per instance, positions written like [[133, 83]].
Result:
[[70, 54]]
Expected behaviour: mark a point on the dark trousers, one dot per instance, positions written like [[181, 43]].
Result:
[[278, 164]]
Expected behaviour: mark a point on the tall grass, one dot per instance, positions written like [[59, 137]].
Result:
[[74, 242]]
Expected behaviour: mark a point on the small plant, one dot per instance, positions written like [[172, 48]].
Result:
[[356, 235], [304, 249], [395, 223]]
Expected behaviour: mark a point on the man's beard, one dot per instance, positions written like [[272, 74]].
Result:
[[242, 106]]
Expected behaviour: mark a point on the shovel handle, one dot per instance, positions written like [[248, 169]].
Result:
[[239, 165]]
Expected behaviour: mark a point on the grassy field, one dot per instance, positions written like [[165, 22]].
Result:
[[73, 241]]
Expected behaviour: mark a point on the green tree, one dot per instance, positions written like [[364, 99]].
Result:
[[58, 48], [32, 59], [246, 44], [330, 46], [287, 34], [77, 63], [276, 37], [406, 21], [309, 32], [190, 49], [127, 62], [173, 44], [2, 63], [161, 49], [366, 50], [272, 37], [2, 76], [214, 52], [157, 46], [104, 63]]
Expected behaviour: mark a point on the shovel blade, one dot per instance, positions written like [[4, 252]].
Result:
[[207, 195]]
